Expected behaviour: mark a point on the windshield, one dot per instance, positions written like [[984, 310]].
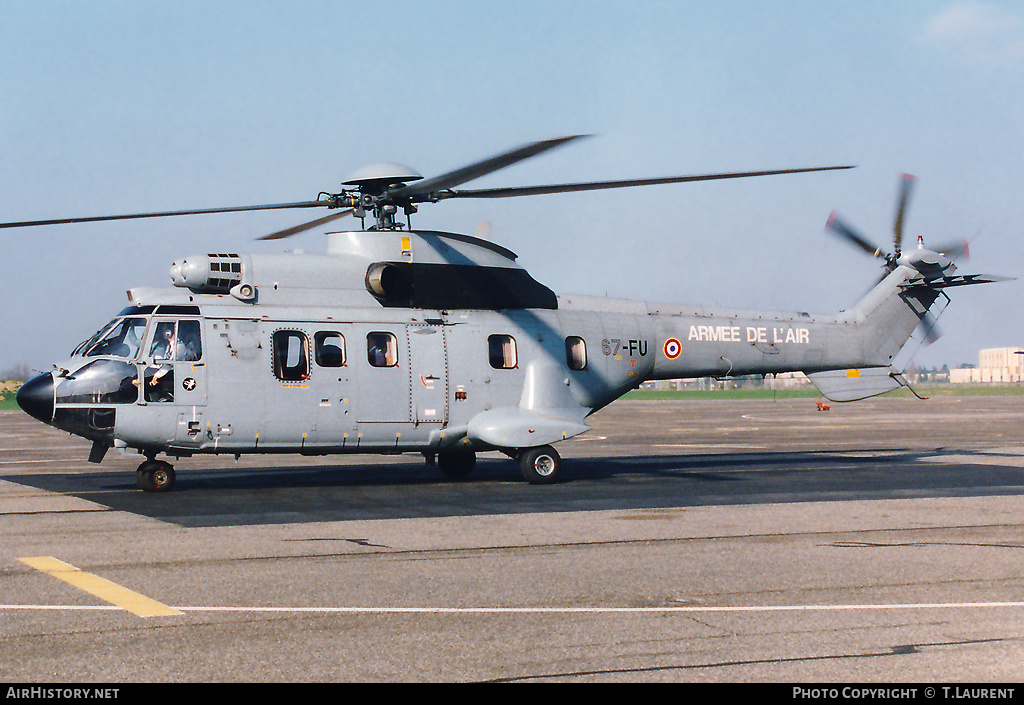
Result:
[[122, 337]]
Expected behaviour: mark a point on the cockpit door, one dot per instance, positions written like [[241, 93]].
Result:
[[175, 367]]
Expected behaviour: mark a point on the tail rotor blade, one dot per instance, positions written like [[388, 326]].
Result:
[[906, 186], [845, 231]]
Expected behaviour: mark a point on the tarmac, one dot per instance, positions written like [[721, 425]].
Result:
[[722, 541]]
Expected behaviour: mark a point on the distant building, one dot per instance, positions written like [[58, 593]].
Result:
[[783, 380], [787, 380], [996, 366]]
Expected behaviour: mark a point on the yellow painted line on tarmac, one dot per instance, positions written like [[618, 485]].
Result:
[[122, 597]]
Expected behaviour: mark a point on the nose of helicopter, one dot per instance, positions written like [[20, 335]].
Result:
[[36, 397]]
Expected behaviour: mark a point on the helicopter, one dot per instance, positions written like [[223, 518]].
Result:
[[397, 340]]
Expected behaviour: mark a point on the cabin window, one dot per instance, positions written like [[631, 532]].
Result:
[[502, 350], [382, 350], [330, 349], [576, 353], [291, 357]]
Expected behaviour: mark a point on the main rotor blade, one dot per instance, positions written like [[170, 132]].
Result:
[[626, 183], [481, 168], [906, 184], [132, 216], [844, 230], [288, 232]]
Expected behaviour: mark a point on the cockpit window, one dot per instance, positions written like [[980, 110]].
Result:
[[163, 341], [188, 332], [91, 340], [122, 338], [177, 341]]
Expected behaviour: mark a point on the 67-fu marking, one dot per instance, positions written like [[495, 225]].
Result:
[[632, 347]]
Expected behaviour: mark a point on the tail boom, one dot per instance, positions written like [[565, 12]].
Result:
[[850, 354]]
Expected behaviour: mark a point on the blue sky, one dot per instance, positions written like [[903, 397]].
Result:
[[113, 107]]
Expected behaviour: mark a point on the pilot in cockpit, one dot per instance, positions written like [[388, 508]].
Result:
[[165, 347]]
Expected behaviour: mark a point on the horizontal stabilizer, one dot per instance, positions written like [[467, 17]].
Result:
[[954, 280], [853, 385]]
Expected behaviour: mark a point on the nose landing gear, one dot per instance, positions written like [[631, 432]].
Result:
[[155, 476]]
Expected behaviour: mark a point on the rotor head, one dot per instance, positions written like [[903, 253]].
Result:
[[375, 178]]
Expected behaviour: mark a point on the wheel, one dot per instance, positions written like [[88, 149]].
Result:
[[541, 466], [155, 476], [456, 464]]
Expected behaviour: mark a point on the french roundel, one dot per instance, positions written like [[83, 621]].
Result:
[[672, 348]]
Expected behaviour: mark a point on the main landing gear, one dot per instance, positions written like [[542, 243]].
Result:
[[155, 476], [456, 464], [540, 466]]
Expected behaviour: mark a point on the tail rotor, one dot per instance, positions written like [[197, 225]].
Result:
[[931, 263]]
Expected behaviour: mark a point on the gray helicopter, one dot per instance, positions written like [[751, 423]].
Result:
[[409, 341]]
